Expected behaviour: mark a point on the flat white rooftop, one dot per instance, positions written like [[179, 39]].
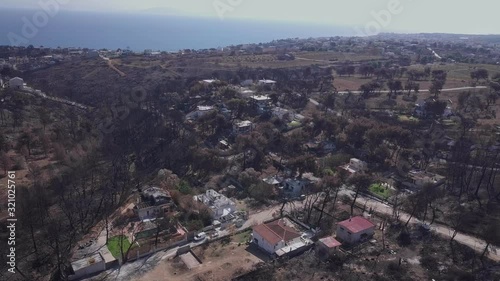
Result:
[[205, 108], [260, 98], [290, 248]]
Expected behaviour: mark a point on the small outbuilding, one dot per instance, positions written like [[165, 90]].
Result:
[[325, 247], [16, 83], [88, 266]]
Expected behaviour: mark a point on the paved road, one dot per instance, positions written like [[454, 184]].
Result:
[[473, 242], [424, 90]]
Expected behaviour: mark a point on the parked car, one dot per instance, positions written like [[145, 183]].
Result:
[[200, 236]]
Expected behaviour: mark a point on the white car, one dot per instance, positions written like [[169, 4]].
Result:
[[200, 236]]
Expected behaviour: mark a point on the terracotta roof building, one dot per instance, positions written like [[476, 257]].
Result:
[[354, 230], [274, 235], [325, 247]]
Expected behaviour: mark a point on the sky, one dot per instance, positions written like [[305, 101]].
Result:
[[447, 16]]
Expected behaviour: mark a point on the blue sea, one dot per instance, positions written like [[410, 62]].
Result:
[[158, 32]]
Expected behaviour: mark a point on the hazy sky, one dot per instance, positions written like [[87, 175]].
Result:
[[454, 16]]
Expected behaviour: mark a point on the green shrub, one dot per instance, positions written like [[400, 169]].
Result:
[[184, 188]]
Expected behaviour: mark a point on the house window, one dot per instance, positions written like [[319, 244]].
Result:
[[349, 233], [342, 229]]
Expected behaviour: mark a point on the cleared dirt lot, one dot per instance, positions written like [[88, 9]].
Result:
[[221, 261]]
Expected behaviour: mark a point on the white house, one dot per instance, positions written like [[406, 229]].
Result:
[[294, 187], [153, 202], [243, 127], [261, 100], [246, 92], [273, 180], [354, 230], [208, 81], [267, 82], [200, 111], [417, 179], [274, 236], [219, 204], [355, 165], [280, 113], [16, 83]]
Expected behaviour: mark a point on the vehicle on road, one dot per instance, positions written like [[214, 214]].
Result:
[[200, 236]]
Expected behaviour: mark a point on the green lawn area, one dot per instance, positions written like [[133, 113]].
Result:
[[380, 190], [114, 245], [242, 237]]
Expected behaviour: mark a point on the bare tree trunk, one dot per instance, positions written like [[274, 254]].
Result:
[[107, 228], [325, 201], [282, 208], [425, 213], [354, 201], [433, 214], [455, 232], [485, 250], [483, 173], [413, 212], [335, 198], [383, 234], [32, 233]]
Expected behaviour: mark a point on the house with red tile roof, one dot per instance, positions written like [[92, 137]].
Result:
[[354, 230], [325, 247], [274, 235]]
